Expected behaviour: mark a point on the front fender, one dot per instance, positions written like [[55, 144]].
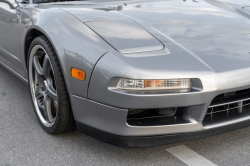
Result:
[[75, 44]]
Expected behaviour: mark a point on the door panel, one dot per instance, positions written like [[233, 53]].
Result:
[[9, 38]]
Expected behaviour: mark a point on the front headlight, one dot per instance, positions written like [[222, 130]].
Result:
[[154, 84]]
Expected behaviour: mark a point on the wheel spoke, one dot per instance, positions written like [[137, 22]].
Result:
[[46, 66], [38, 79], [52, 92], [47, 109], [37, 66]]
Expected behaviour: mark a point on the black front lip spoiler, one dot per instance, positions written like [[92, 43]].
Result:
[[145, 141]]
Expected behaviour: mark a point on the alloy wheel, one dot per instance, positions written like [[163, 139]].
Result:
[[43, 86]]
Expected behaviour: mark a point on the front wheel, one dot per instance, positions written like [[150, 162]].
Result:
[[49, 94]]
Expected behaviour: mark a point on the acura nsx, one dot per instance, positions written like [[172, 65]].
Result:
[[132, 73]]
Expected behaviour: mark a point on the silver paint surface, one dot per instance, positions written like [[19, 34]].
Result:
[[203, 40], [131, 36]]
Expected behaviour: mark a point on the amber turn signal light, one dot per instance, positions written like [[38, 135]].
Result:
[[78, 74]]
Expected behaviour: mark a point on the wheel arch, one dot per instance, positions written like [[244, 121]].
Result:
[[31, 34]]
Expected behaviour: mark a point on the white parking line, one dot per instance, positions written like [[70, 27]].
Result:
[[189, 157]]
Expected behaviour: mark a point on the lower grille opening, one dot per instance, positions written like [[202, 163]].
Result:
[[231, 97], [229, 106], [156, 117]]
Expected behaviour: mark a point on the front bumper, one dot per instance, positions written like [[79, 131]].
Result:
[[109, 124], [145, 141]]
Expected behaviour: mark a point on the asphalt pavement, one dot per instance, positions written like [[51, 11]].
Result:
[[24, 142]]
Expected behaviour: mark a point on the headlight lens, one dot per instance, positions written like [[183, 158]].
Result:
[[154, 84]]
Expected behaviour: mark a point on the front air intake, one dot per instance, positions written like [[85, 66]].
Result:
[[227, 107], [156, 117]]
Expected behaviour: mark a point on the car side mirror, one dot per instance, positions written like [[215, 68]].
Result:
[[12, 3]]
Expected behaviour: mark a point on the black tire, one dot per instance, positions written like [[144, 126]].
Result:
[[64, 120]]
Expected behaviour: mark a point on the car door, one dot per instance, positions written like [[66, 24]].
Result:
[[10, 52]]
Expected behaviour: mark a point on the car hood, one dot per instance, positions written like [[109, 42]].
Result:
[[181, 21], [214, 33]]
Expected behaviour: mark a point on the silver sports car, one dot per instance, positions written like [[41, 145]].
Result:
[[132, 73]]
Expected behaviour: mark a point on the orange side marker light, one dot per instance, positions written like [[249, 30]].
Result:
[[78, 74]]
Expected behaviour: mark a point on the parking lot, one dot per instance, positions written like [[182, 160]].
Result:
[[23, 141]]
